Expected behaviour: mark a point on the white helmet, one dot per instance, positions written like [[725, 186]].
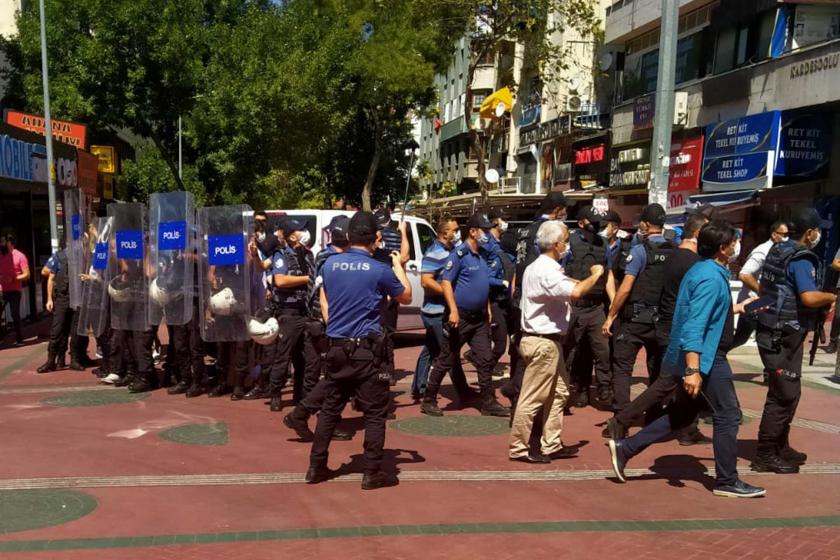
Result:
[[158, 294], [223, 303], [263, 333], [119, 291]]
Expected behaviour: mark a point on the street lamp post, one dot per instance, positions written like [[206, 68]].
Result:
[[48, 133], [663, 120]]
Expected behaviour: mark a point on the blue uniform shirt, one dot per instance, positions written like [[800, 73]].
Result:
[[469, 276], [637, 259], [53, 264], [492, 253], [434, 261], [280, 260], [802, 275], [355, 284]]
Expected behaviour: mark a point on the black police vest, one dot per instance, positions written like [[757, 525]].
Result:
[[526, 253], [586, 254], [647, 289], [619, 262], [61, 281], [313, 294], [290, 298], [775, 284]]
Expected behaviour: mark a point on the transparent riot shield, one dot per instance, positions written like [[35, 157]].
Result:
[[128, 288], [172, 251], [94, 310], [76, 210], [225, 272]]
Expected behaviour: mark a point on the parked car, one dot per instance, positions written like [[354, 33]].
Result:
[[420, 236]]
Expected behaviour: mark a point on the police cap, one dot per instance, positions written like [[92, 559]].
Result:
[[803, 219], [291, 223], [653, 214], [479, 221], [497, 214], [592, 214], [362, 224], [553, 200], [613, 217], [339, 227]]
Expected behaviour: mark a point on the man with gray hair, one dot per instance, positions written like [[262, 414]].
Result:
[[546, 297]]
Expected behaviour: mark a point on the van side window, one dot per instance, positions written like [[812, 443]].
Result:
[[427, 237]]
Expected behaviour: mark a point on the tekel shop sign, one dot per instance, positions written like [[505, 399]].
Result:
[[68, 132], [740, 153], [804, 144]]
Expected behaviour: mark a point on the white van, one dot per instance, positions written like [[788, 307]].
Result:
[[420, 237]]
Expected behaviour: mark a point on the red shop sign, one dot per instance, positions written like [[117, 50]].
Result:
[[586, 156], [686, 163]]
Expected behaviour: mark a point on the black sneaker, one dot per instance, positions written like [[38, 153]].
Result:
[[238, 394], [774, 464], [256, 393], [318, 474], [739, 490], [379, 479], [341, 435], [493, 408], [276, 404], [141, 386], [617, 459], [299, 426], [694, 438], [793, 456], [535, 458], [430, 407], [195, 390], [178, 389]]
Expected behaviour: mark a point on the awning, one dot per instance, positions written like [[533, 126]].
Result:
[[726, 201], [488, 108]]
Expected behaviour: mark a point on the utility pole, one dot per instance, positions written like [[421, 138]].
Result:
[[660, 152], [48, 133], [180, 153]]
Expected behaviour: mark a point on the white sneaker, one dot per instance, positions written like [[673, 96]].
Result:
[[111, 378]]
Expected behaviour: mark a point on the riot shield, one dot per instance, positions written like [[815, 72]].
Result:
[[127, 288], [172, 251], [93, 313], [225, 272], [76, 209]]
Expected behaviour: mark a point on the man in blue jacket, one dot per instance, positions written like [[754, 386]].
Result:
[[703, 332]]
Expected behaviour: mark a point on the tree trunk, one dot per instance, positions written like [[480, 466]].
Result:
[[374, 164], [167, 158]]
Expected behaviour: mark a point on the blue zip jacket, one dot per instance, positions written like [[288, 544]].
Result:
[[703, 303]]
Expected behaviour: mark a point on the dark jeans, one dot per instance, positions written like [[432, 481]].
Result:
[[473, 330], [434, 341], [13, 299], [719, 389], [782, 359], [499, 329], [629, 339], [362, 378], [233, 355], [652, 404], [288, 348], [143, 343], [110, 356], [517, 365], [585, 334]]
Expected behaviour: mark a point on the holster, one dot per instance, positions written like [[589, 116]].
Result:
[[641, 313]]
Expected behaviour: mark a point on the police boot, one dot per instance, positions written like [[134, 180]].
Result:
[[491, 407], [219, 390], [126, 380], [318, 474], [276, 404], [179, 389], [61, 363], [603, 399], [379, 479], [75, 365], [297, 420], [258, 391], [195, 390], [49, 365], [145, 383], [429, 406]]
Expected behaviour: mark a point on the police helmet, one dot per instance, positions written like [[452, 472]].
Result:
[[158, 294], [263, 332], [118, 290], [223, 302]]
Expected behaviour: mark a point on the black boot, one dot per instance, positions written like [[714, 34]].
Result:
[[75, 365], [49, 365], [61, 363], [195, 390], [144, 384], [258, 391], [276, 404], [429, 406], [297, 421], [491, 407], [179, 389]]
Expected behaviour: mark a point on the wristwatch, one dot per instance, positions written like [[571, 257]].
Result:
[[691, 371]]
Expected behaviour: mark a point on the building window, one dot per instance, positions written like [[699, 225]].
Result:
[[745, 43]]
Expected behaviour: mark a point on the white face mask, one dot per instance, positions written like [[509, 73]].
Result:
[[734, 256], [304, 237], [785, 239], [482, 239], [456, 238], [503, 225], [603, 233], [816, 240], [261, 237]]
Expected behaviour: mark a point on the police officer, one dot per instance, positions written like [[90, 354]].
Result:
[[58, 303], [354, 285], [553, 207], [292, 266], [791, 276], [587, 249], [637, 301], [502, 268], [466, 288], [189, 348]]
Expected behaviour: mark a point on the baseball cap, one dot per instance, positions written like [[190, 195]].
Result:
[[383, 218], [479, 221], [653, 214], [291, 223], [592, 214], [338, 227], [553, 200], [497, 213], [803, 219], [363, 223], [613, 217]]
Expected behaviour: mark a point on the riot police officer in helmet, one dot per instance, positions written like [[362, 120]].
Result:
[[353, 286]]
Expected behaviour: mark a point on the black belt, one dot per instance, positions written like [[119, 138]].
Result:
[[364, 342], [289, 311], [556, 337], [472, 314]]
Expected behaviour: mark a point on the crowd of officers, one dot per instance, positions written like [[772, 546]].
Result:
[[599, 295]]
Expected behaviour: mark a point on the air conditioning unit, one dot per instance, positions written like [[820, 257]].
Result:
[[573, 104]]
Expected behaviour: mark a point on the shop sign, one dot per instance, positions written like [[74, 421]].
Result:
[[593, 154], [630, 168], [545, 131], [804, 145], [601, 205], [631, 155], [644, 109], [16, 158], [107, 158], [87, 172], [68, 132], [686, 162], [739, 153]]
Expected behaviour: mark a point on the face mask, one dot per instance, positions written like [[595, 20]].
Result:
[[734, 256], [785, 239], [562, 255], [816, 240], [502, 225], [260, 237], [590, 227], [482, 238], [456, 238], [603, 233], [304, 237]]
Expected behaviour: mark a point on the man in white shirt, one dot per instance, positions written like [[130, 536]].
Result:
[[749, 275], [545, 305]]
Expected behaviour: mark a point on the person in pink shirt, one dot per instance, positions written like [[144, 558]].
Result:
[[14, 271]]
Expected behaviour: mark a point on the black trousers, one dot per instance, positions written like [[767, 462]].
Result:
[[652, 404], [288, 348], [473, 330], [60, 328], [781, 354], [499, 329], [629, 339], [586, 337], [13, 299], [390, 314], [315, 345], [143, 343], [107, 345], [78, 343], [835, 327], [347, 377], [517, 364], [188, 350], [232, 360], [125, 360]]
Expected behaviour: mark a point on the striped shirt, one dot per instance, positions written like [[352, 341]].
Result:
[[434, 262]]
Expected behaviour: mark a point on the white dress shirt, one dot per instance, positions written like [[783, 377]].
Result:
[[546, 297], [753, 266]]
